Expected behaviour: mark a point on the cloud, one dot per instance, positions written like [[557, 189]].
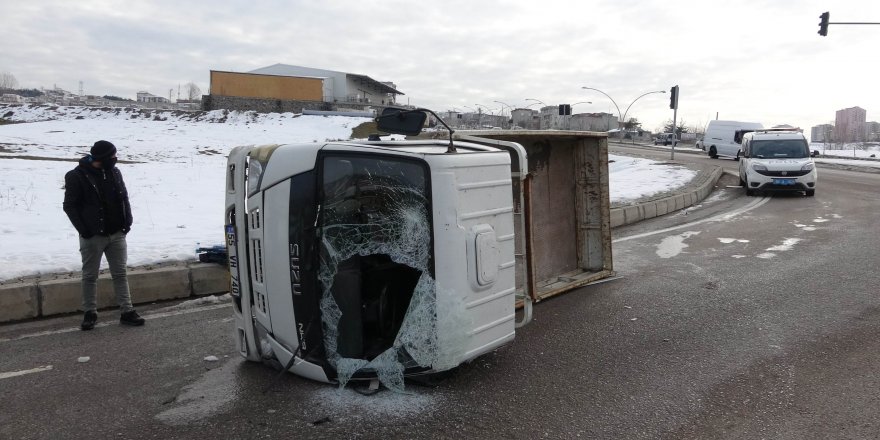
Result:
[[750, 60]]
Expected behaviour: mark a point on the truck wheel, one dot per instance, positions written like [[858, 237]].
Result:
[[810, 192], [742, 182], [713, 153]]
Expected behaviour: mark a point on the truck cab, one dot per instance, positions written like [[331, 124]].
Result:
[[371, 259]]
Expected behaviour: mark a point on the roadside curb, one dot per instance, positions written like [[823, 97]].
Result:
[[41, 298], [627, 215]]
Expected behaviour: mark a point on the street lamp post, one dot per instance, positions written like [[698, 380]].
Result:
[[473, 111], [572, 106], [487, 109], [502, 111], [538, 101], [622, 117], [612, 101], [634, 101]]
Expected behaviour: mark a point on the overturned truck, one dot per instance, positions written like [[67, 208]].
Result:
[[383, 259]]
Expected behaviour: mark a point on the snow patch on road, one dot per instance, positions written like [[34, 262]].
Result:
[[674, 245], [346, 402], [213, 393], [203, 301], [805, 227], [786, 245]]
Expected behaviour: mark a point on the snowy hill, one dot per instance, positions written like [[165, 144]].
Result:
[[174, 166], [173, 163]]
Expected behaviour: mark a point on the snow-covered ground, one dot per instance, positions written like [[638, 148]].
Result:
[[632, 178], [175, 176], [856, 151], [847, 150]]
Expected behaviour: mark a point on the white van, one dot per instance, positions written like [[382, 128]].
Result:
[[721, 137], [777, 160]]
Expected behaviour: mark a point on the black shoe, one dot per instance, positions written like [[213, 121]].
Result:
[[89, 320], [131, 318]]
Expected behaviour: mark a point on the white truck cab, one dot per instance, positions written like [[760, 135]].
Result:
[[777, 160], [372, 259]]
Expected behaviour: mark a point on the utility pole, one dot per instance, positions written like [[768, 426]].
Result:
[[673, 104]]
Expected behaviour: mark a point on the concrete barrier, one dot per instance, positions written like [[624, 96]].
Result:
[[19, 301], [40, 298], [627, 215]]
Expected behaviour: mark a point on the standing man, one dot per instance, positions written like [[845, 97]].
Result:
[[96, 201]]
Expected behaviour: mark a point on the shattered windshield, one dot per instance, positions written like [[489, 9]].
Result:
[[780, 149], [378, 301]]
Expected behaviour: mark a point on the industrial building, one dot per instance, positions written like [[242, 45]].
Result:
[[283, 87]]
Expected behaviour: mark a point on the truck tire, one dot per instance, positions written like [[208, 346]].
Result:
[[810, 192], [713, 153]]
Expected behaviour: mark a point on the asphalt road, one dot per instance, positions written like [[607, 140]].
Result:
[[742, 318]]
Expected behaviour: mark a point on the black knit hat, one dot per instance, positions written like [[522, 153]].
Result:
[[102, 150]]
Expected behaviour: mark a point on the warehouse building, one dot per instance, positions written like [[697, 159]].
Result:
[[287, 88]]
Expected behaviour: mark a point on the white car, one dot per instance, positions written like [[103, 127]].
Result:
[[777, 160], [665, 139]]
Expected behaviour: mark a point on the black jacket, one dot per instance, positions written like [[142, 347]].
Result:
[[85, 202]]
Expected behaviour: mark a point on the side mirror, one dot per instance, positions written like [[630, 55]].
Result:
[[397, 121], [815, 153]]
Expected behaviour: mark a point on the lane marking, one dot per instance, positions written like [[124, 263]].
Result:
[[114, 322], [9, 374], [720, 217]]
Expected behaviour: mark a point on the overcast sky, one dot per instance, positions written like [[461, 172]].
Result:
[[746, 60]]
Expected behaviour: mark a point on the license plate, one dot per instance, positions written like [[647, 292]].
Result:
[[230, 236], [783, 181]]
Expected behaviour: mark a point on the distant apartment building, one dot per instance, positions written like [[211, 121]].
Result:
[[849, 125], [148, 97], [11, 98], [872, 131], [525, 118], [593, 122], [821, 133]]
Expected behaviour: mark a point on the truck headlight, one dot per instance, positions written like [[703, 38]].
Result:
[[759, 167], [255, 172], [807, 167]]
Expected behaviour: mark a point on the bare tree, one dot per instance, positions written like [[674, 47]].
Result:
[[8, 81], [193, 92]]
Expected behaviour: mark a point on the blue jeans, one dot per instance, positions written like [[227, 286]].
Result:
[[116, 250]]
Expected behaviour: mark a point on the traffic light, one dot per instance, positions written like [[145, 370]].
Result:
[[673, 97], [823, 23]]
